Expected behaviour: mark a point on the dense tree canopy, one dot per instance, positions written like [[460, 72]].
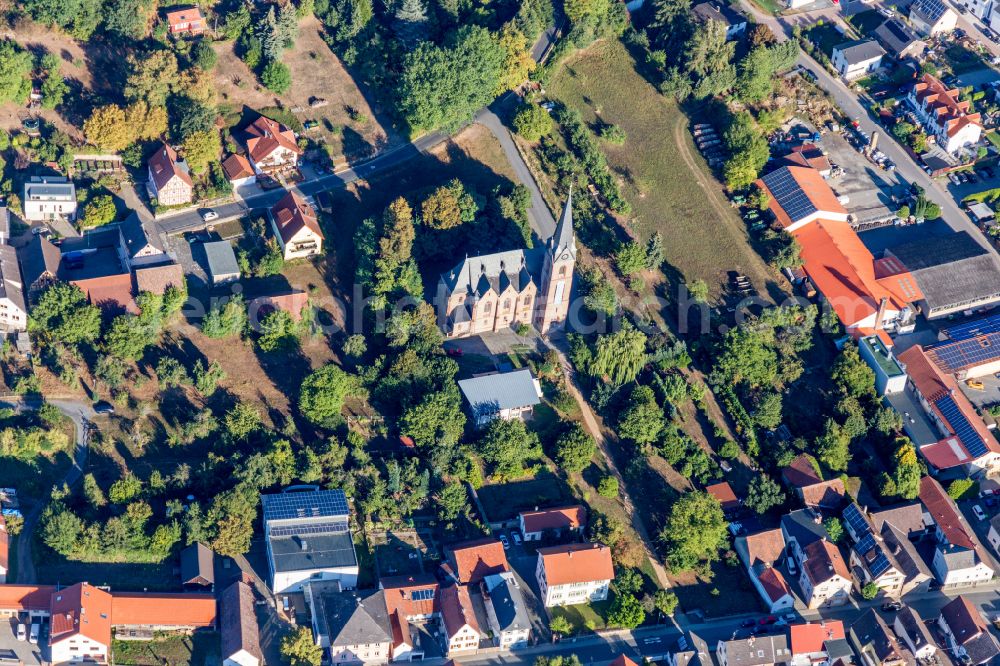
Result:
[[695, 531]]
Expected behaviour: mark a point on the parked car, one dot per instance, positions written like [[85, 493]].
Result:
[[748, 623], [891, 606], [503, 540], [516, 537], [33, 634], [978, 510], [208, 215], [104, 407], [22, 631], [770, 619], [41, 231]]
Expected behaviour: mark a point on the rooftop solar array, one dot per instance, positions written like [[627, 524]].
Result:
[[972, 329], [312, 528], [970, 439], [789, 195], [954, 356], [859, 526], [873, 555], [423, 595], [312, 504], [897, 31]]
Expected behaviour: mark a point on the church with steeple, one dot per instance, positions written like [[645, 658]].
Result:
[[503, 290]]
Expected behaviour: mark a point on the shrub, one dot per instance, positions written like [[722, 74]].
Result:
[[532, 122], [276, 77], [608, 487], [613, 134]]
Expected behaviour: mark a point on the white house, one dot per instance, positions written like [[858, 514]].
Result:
[[238, 627], [932, 17], [271, 146], [49, 198], [556, 521], [981, 9], [766, 650], [503, 395], [80, 624], [309, 539], [239, 171], [296, 227], [968, 638], [574, 573], [943, 114], [505, 610], [889, 376], [461, 628], [858, 58], [139, 244], [169, 180], [825, 578], [958, 558], [13, 310], [352, 627], [914, 633]]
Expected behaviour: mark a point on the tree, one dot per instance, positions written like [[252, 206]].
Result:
[[532, 122], [608, 487], [506, 446], [694, 532], [128, 18], [962, 489], [642, 421], [745, 358], [906, 474], [763, 493], [852, 376], [436, 420], [869, 591], [128, 337], [355, 346], [574, 448], [833, 446], [834, 529], [410, 23], [206, 380], [125, 489], [517, 63], [299, 649], [242, 420], [626, 611], [630, 258], [620, 355], [54, 88], [767, 410], [560, 625], [61, 528], [322, 394], [201, 148], [441, 209], [99, 210], [225, 319], [665, 601], [277, 332], [749, 151], [152, 77], [276, 77], [452, 501], [107, 128], [203, 56], [146, 122], [92, 491], [63, 313], [15, 70]]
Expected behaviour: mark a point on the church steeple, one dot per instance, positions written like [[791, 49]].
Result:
[[564, 240]]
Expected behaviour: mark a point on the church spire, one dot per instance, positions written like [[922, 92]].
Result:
[[564, 240]]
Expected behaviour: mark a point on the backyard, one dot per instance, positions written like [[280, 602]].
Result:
[[199, 648]]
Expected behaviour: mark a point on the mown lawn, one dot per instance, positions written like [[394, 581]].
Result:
[[585, 617], [669, 185], [866, 22]]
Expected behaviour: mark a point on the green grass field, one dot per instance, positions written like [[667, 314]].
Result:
[[669, 185], [825, 36], [585, 617], [200, 648], [504, 501]]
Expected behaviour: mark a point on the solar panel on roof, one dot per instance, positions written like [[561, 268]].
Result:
[[789, 194], [971, 329], [873, 555], [856, 521], [315, 504], [966, 353], [318, 528], [970, 439]]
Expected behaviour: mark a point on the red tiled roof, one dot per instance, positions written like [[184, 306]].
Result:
[[456, 609], [765, 547], [774, 584], [724, 493], [823, 561], [577, 563], [114, 291], [266, 136], [399, 594], [474, 560], [812, 185], [809, 155], [26, 597], [964, 619], [826, 494], [163, 166], [622, 660], [237, 167], [81, 609], [943, 103], [809, 638], [156, 279], [557, 518], [292, 302], [184, 16], [292, 214], [944, 512], [801, 472], [238, 621], [182, 610]]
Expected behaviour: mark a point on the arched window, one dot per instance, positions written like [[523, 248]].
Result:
[[562, 271]]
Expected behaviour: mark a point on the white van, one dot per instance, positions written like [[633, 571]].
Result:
[[33, 636], [22, 632]]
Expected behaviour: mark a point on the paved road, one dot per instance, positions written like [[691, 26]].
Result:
[[80, 412]]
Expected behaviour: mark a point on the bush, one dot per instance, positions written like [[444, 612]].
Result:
[[608, 487], [963, 489], [613, 134], [276, 77], [532, 122]]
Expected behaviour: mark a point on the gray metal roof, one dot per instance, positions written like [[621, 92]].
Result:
[[312, 551], [719, 11], [860, 50], [353, 618], [310, 504], [508, 604], [221, 259], [491, 393], [49, 188], [496, 271], [952, 269]]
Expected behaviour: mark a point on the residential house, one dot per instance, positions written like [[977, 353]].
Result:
[[13, 308], [959, 559], [501, 290], [501, 395], [309, 539], [817, 644], [825, 578], [691, 650], [198, 565], [858, 58], [222, 265], [952, 274], [801, 529], [981, 9], [114, 294], [238, 627], [899, 40], [139, 243], [80, 627], [876, 644], [40, 261], [271, 146], [409, 599], [471, 561], [508, 616], [238, 171], [889, 375], [296, 227], [914, 633], [897, 529], [4, 225], [993, 535], [949, 119], [723, 13], [49, 198], [883, 556], [968, 638], [966, 447], [169, 180], [352, 627], [553, 523], [461, 628], [766, 650], [4, 549], [188, 21], [576, 573], [761, 553], [727, 498], [802, 476], [932, 17], [140, 613]]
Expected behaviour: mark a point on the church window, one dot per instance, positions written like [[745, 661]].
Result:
[[562, 271], [506, 305]]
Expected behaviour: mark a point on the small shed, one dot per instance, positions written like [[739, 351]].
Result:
[[222, 265], [724, 493], [981, 212], [198, 565]]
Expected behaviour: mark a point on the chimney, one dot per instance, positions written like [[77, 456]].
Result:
[[305, 544], [882, 305]]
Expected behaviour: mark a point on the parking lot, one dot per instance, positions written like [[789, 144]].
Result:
[[27, 653], [871, 191]]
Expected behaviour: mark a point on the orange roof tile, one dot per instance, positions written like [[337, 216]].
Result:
[[944, 512], [724, 493], [809, 638], [399, 593], [827, 494], [823, 561], [237, 167], [182, 610], [26, 597], [456, 609], [81, 609], [110, 291], [774, 583], [557, 518], [577, 563], [266, 136], [474, 560], [811, 184], [184, 16], [163, 167], [622, 660], [765, 547], [156, 279], [293, 302], [292, 214]]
